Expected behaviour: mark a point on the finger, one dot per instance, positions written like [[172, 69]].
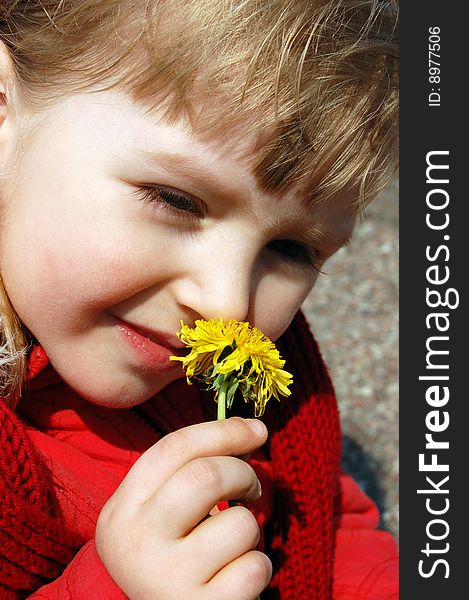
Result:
[[221, 539], [243, 579], [182, 502], [230, 437]]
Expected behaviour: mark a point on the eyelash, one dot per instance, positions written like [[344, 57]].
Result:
[[291, 251], [296, 253], [175, 203]]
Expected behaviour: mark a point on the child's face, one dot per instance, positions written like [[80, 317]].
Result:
[[94, 262]]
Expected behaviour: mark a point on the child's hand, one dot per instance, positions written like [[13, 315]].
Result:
[[152, 536]]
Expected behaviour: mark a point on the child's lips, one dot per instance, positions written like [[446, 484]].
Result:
[[153, 347], [163, 339]]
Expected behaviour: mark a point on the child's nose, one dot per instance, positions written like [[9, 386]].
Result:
[[221, 283]]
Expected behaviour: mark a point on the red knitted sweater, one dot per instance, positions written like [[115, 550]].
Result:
[[54, 481]]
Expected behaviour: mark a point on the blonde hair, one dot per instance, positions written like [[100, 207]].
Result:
[[322, 74], [12, 351]]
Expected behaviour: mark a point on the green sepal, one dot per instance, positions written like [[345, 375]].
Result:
[[231, 392]]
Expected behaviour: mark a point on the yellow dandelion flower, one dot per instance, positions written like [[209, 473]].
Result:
[[231, 355]]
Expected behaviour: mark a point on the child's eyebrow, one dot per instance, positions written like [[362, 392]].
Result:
[[333, 239], [192, 169], [195, 170]]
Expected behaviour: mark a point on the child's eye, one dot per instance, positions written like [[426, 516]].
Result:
[[170, 200], [296, 252]]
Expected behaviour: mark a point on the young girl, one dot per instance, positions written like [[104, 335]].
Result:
[[167, 161]]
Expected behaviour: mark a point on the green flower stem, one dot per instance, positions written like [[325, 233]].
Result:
[[221, 412], [221, 400]]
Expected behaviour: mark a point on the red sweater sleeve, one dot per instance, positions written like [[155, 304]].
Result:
[[366, 559], [84, 578]]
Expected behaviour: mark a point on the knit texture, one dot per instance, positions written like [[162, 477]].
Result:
[[304, 447], [35, 547], [305, 451]]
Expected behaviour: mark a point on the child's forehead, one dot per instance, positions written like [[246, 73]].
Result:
[[209, 157]]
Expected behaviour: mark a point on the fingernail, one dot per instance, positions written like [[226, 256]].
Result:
[[257, 426], [259, 489]]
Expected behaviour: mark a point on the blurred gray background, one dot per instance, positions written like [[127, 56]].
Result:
[[353, 311]]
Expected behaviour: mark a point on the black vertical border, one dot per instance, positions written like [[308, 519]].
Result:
[[425, 128]]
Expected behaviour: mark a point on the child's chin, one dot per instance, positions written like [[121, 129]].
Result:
[[116, 394]]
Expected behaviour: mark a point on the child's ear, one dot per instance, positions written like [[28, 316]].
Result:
[[6, 72], [6, 125]]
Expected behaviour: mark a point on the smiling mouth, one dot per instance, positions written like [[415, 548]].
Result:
[[152, 347]]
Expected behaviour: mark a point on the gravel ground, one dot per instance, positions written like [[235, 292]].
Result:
[[353, 312]]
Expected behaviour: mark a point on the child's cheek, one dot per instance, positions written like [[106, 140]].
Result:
[[65, 275], [277, 302]]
